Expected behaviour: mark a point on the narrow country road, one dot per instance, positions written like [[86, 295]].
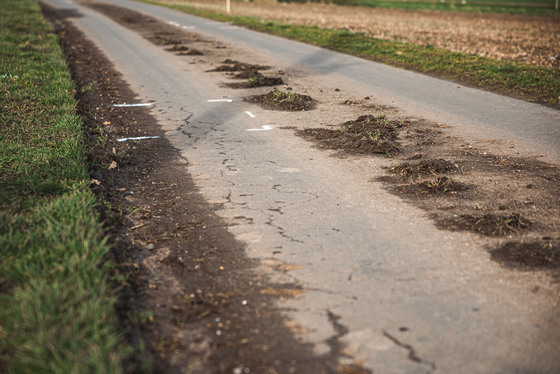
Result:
[[412, 298]]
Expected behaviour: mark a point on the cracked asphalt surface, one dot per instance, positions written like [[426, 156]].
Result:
[[398, 294]]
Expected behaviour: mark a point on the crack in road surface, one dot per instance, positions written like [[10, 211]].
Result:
[[412, 355]]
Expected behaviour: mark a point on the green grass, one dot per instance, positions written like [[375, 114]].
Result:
[[540, 7], [56, 309], [529, 82]]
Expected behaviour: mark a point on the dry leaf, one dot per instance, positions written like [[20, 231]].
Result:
[[112, 166]]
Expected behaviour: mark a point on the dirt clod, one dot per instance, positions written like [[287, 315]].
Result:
[[256, 79], [424, 167], [439, 185], [284, 100], [232, 65], [367, 134]]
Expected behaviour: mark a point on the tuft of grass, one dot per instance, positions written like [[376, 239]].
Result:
[[529, 82], [57, 310], [285, 100]]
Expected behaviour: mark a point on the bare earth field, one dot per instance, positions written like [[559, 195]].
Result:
[[527, 39]]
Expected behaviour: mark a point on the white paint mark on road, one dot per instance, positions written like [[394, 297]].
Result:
[[220, 101], [263, 128], [173, 24], [250, 114], [288, 170], [188, 27], [132, 105], [138, 138]]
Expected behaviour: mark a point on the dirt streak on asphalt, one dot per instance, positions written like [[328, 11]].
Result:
[[193, 297]]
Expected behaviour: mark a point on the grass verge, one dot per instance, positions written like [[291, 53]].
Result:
[[56, 305], [540, 7], [529, 82]]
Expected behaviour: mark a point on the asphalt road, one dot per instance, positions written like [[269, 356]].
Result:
[[414, 299]]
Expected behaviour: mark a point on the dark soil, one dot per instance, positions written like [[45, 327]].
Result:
[[283, 100], [488, 224], [192, 299], [232, 65], [534, 255], [424, 167], [246, 74], [256, 79], [439, 185], [367, 134], [182, 50], [250, 72]]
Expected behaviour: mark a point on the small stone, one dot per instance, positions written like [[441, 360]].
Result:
[[151, 247]]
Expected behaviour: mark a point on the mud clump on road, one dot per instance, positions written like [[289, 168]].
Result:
[[182, 50], [246, 74], [250, 72], [283, 100], [367, 134], [233, 65], [256, 79], [166, 40]]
